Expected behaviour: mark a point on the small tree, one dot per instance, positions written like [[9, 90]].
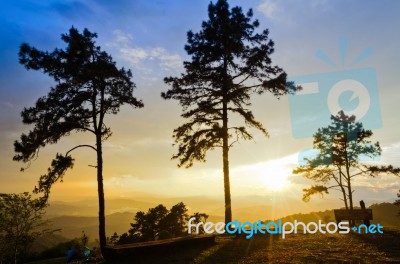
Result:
[[340, 146], [198, 217], [230, 61], [157, 223], [113, 239], [20, 224], [88, 86], [84, 239], [146, 226], [174, 223]]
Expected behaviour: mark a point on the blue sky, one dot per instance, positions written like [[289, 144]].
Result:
[[148, 37]]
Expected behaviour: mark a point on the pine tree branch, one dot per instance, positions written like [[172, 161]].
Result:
[[81, 146]]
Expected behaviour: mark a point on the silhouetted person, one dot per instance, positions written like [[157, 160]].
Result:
[[362, 205]]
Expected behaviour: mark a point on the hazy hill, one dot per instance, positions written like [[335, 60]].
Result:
[[47, 241], [385, 214], [249, 208], [89, 207], [72, 226]]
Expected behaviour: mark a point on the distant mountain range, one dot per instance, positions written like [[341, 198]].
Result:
[[75, 217], [248, 208]]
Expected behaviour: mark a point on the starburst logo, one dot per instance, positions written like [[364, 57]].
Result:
[[343, 51], [349, 95], [353, 91]]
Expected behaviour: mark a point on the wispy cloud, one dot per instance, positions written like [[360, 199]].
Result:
[[270, 9], [285, 11], [6, 104], [379, 183], [121, 181], [144, 142], [391, 154], [139, 56]]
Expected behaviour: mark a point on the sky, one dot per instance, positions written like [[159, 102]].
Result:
[[315, 41]]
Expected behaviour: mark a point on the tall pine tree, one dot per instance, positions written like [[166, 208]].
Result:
[[230, 61], [88, 86]]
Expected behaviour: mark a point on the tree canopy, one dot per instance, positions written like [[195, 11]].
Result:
[[21, 222]]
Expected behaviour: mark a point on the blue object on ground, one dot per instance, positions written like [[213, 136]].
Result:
[[71, 254]]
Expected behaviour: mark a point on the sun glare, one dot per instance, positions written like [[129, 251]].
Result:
[[272, 175]]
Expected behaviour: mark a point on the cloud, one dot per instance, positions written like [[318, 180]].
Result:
[[171, 183], [142, 142], [115, 147], [379, 183], [285, 11], [139, 56], [6, 104], [270, 9], [153, 141], [121, 181], [391, 154]]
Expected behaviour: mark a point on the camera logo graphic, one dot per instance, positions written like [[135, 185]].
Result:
[[354, 91]]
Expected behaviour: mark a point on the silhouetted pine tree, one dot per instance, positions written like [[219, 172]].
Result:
[[88, 86], [230, 61]]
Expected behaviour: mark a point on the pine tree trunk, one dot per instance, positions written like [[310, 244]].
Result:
[[225, 158], [100, 190], [344, 198], [348, 176], [343, 189], [350, 194], [225, 144]]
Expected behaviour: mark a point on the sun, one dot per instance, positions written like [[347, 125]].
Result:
[[274, 178], [276, 182], [272, 175]]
